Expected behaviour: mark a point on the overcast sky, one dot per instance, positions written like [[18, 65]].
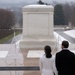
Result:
[[48, 0], [31, 1]]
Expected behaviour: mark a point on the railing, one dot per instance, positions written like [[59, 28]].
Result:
[[21, 68]]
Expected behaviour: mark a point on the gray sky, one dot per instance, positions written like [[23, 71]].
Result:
[[30, 1]]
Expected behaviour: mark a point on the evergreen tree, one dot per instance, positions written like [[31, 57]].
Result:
[[59, 18]]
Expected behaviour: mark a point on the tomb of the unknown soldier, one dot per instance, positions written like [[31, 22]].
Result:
[[37, 27]]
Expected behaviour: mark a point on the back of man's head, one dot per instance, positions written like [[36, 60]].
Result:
[[65, 44]]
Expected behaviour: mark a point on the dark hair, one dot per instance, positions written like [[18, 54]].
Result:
[[65, 44], [47, 50]]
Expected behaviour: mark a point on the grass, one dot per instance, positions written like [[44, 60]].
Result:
[[9, 37]]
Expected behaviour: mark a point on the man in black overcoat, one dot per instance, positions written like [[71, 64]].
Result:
[[65, 60]]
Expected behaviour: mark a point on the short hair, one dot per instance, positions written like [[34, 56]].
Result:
[[47, 50], [65, 44]]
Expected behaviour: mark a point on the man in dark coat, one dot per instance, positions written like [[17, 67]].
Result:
[[65, 60]]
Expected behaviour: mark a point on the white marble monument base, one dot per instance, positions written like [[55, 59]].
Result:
[[36, 43], [37, 27]]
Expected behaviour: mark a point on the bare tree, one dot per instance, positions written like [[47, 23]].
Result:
[[7, 19]]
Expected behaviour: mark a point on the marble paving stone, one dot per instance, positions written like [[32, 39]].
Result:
[[3, 54], [35, 53]]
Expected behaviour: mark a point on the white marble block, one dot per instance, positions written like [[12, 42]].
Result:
[[37, 27]]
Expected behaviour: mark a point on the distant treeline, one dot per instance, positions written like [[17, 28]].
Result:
[[64, 14]]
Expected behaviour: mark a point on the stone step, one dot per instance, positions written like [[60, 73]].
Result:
[[37, 43]]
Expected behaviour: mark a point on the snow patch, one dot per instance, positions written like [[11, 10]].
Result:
[[70, 33]]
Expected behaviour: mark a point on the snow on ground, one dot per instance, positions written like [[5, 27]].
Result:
[[70, 33], [59, 38]]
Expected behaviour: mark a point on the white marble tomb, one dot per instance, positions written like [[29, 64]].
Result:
[[37, 27]]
